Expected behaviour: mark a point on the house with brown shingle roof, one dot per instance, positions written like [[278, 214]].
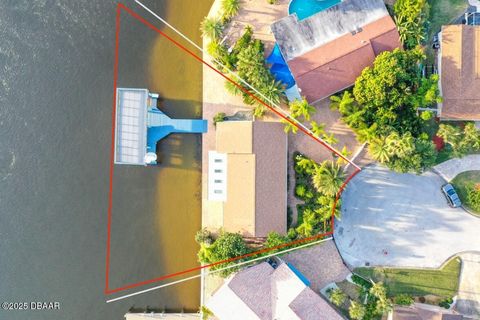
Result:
[[262, 292], [328, 51], [459, 70], [247, 178]]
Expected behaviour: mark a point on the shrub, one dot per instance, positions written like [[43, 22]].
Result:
[[356, 311], [361, 281], [206, 313], [300, 191], [426, 115], [275, 239], [446, 303], [292, 233], [204, 236], [473, 196], [337, 297], [219, 117], [404, 299]]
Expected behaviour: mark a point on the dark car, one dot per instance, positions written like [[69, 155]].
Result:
[[451, 195]]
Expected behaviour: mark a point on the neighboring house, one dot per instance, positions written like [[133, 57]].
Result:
[[247, 178], [424, 312], [264, 293], [459, 69], [328, 51]]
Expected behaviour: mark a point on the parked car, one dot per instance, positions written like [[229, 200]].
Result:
[[451, 195]]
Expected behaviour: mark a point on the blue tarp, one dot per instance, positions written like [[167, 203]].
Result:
[[279, 67]]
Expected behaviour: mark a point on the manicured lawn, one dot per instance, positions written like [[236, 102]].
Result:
[[460, 183], [442, 12], [417, 282]]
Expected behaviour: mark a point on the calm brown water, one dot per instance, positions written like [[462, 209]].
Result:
[[56, 87]]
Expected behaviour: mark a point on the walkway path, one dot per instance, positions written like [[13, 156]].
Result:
[[468, 302], [451, 168]]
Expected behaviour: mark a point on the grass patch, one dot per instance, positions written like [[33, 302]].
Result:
[[417, 282], [461, 182], [442, 12]]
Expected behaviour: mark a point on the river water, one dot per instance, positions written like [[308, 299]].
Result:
[[56, 89]]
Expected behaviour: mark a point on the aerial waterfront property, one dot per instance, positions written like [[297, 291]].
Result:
[[140, 125]]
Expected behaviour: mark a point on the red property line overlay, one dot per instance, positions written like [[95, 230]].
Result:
[[108, 291]]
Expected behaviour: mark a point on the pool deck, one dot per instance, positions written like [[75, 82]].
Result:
[[260, 15]]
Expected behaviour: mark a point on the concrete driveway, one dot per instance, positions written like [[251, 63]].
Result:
[[392, 219]]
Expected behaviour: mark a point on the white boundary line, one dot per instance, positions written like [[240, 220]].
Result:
[[215, 271], [276, 106]]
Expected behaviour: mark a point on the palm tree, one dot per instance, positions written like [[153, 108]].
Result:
[[302, 108], [367, 134], [273, 92], [379, 291], [344, 152], [328, 178], [306, 228], [211, 28], [232, 88], [329, 138], [326, 210], [289, 127], [259, 111], [379, 150], [230, 8], [317, 129], [342, 104]]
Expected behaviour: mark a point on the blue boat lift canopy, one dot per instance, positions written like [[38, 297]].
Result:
[[139, 125]]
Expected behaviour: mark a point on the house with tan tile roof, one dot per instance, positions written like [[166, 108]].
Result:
[[459, 70], [247, 178], [263, 292], [328, 51]]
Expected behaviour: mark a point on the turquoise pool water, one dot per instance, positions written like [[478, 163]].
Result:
[[307, 8]]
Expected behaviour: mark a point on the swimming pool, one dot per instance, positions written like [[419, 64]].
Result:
[[307, 8]]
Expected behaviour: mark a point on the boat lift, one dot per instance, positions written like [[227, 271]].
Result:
[[139, 125]]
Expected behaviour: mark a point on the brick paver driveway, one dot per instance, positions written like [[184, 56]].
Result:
[[393, 219]]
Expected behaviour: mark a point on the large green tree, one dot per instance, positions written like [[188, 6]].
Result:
[[384, 110], [390, 92], [227, 245]]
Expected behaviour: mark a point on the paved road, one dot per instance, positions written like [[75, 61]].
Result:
[[395, 219], [468, 302]]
